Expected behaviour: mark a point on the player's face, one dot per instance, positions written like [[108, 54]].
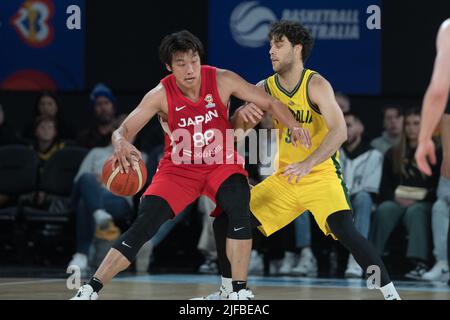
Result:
[[186, 68], [412, 127], [281, 54]]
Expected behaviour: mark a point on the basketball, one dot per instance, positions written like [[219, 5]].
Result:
[[124, 184]]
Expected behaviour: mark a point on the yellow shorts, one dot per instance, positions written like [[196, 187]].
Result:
[[275, 202]]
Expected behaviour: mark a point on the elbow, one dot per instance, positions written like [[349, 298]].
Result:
[[437, 93]]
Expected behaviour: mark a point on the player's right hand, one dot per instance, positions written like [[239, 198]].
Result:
[[123, 155], [302, 135], [250, 113], [426, 151]]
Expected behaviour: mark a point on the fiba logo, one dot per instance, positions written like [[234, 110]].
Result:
[[33, 22], [249, 24]]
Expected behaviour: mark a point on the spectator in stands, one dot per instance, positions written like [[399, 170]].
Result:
[[343, 101], [362, 167], [46, 143], [393, 123], [95, 206], [407, 196], [48, 104], [104, 106], [7, 133]]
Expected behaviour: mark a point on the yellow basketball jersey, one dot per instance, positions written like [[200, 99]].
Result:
[[306, 113]]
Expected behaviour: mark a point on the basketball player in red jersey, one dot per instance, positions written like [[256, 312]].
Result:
[[192, 107]]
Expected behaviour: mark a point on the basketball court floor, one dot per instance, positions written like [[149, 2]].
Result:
[[184, 287]]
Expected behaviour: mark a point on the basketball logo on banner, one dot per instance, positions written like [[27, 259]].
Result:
[[32, 22], [250, 23]]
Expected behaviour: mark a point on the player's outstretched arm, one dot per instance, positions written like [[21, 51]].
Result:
[[321, 93], [435, 99], [133, 123], [240, 88], [248, 115]]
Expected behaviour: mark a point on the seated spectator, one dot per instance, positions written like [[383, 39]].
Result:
[[393, 123], [407, 197], [46, 143], [361, 167], [104, 107], [48, 104]]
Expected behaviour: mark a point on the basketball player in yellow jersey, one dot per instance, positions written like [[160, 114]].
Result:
[[307, 178], [436, 107]]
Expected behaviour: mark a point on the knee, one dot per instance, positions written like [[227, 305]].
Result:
[[416, 214], [87, 179], [341, 224], [440, 209], [153, 212], [363, 197], [385, 210]]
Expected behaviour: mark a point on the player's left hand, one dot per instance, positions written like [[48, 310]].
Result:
[[297, 171], [425, 149]]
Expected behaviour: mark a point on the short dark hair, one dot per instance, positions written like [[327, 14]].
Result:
[[295, 33], [181, 41], [398, 108], [352, 114], [44, 118]]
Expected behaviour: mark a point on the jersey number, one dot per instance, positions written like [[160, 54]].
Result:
[[288, 136], [203, 139]]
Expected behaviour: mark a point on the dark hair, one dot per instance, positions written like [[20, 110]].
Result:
[[396, 107], [352, 114], [44, 118], [295, 33], [46, 94], [400, 150], [181, 41]]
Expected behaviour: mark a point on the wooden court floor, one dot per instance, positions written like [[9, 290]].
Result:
[[184, 287]]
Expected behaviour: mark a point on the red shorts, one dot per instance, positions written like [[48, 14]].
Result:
[[181, 184]]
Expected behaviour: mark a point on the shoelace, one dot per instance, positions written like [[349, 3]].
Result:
[[81, 290]]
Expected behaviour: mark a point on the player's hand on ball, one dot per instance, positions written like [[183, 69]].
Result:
[[124, 152], [297, 171]]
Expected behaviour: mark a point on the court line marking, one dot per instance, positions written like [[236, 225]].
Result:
[[30, 282], [285, 282]]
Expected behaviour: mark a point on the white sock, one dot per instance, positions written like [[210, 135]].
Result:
[[227, 284], [389, 292]]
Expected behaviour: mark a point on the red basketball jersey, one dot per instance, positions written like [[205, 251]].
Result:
[[196, 132]]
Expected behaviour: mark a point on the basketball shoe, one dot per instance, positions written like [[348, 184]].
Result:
[[85, 293], [243, 294], [222, 294]]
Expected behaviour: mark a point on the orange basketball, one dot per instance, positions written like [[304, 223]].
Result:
[[124, 184]]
